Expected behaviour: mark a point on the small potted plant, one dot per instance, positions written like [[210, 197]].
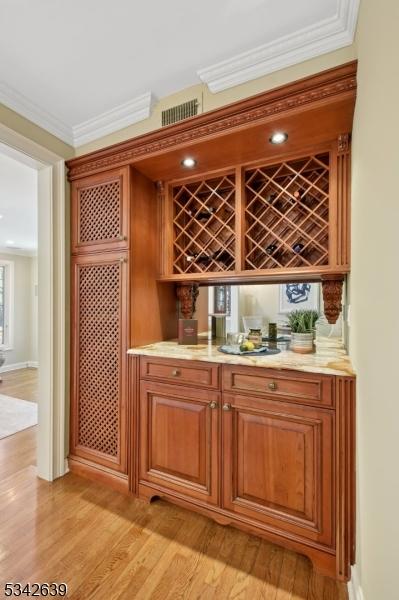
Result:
[[302, 323]]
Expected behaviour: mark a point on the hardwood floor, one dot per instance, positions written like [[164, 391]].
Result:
[[107, 546], [21, 384]]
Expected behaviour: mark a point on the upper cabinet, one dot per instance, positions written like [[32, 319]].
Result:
[[248, 209], [100, 206], [267, 219]]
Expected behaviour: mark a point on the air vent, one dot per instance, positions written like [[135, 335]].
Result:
[[179, 112]]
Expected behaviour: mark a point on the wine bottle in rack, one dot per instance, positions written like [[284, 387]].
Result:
[[298, 247], [205, 214], [271, 249], [300, 195], [198, 258]]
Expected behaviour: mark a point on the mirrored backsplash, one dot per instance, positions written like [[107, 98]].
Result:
[[248, 306]]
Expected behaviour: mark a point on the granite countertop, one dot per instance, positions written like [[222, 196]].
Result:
[[286, 359]]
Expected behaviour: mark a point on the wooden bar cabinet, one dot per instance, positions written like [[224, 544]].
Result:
[[278, 462]]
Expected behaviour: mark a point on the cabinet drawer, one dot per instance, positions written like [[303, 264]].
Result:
[[180, 371], [305, 388]]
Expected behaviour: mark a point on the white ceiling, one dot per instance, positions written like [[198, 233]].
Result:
[[65, 64], [18, 206]]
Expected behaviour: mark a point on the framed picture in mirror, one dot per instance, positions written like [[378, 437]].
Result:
[[296, 295]]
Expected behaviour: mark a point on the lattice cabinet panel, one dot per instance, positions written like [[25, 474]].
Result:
[[287, 214], [99, 369], [99, 207], [204, 225]]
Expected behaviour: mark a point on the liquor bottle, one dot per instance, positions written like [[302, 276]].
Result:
[[271, 198]]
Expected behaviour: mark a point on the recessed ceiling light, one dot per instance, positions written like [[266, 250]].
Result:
[[1, 216], [278, 137], [10, 242], [189, 162]]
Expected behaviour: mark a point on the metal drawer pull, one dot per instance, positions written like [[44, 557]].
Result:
[[175, 372], [226, 406], [213, 404], [272, 386]]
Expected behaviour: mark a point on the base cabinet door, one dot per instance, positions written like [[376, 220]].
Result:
[[278, 466], [178, 440]]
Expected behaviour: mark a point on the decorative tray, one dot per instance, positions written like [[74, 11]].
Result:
[[263, 351]]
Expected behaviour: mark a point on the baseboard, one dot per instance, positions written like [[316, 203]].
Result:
[[355, 592], [13, 367], [31, 364], [85, 468]]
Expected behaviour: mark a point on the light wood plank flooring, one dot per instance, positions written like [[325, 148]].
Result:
[[20, 384], [106, 546]]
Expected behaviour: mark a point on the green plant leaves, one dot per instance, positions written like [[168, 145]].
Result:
[[302, 321]]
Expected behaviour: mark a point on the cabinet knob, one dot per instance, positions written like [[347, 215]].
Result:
[[123, 260], [122, 238], [226, 406], [213, 404], [272, 386], [175, 372]]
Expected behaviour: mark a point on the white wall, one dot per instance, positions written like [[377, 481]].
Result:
[[374, 289], [24, 346]]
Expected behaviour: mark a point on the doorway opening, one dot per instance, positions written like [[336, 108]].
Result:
[[50, 293], [18, 297]]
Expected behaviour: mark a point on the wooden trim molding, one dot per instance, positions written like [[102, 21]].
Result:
[[96, 472], [331, 85]]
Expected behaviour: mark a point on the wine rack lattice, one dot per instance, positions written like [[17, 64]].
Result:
[[204, 225], [287, 214]]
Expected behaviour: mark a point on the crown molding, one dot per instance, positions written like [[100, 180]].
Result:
[[117, 118], [310, 42], [31, 111]]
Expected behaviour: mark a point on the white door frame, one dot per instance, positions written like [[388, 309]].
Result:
[[52, 299]]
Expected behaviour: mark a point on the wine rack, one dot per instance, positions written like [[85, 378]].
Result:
[[204, 225], [287, 214]]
